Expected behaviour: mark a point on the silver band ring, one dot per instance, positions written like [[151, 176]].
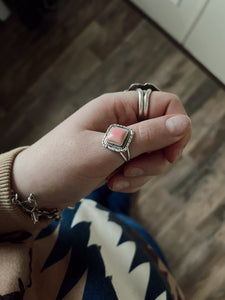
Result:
[[143, 98]]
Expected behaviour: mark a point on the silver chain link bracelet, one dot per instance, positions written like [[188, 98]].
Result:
[[30, 207]]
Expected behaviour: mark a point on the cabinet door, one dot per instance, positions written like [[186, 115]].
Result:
[[175, 17], [207, 40]]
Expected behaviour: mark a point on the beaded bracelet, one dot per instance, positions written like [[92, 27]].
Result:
[[30, 207]]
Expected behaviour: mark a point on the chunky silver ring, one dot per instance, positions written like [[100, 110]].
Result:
[[118, 138], [143, 97]]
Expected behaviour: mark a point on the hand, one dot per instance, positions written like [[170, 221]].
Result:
[[70, 161]]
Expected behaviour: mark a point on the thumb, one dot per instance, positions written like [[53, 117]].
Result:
[[158, 133]]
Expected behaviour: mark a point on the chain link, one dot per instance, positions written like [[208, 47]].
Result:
[[30, 207]]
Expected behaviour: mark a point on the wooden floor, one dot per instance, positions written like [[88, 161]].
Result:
[[86, 48]]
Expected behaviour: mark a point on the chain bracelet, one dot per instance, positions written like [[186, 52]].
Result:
[[30, 207]]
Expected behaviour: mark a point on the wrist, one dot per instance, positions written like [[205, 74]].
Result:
[[32, 174], [30, 207], [25, 177], [20, 184]]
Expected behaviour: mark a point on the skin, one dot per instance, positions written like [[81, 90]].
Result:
[[69, 162]]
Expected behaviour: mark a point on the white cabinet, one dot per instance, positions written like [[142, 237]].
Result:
[[199, 25], [175, 17], [207, 40]]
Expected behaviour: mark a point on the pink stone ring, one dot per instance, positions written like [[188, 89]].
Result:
[[118, 138]]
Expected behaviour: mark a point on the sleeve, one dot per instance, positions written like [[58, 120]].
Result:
[[12, 218]]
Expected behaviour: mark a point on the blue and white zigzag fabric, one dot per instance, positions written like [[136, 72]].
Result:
[[118, 263]]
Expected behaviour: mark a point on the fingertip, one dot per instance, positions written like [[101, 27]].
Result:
[[177, 125]]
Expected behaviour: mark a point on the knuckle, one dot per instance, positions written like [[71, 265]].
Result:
[[174, 98]]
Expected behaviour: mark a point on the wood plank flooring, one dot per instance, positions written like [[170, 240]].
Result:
[[86, 48]]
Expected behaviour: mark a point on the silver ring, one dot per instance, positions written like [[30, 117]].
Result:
[[126, 155], [118, 138], [144, 92]]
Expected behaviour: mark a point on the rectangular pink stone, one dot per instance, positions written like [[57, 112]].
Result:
[[117, 136]]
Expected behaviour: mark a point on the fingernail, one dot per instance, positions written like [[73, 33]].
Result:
[[177, 124], [132, 172], [120, 185]]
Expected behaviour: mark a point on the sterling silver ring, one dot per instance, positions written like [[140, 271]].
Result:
[[118, 138], [144, 93]]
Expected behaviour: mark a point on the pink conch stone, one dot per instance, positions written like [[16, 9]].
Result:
[[117, 136]]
